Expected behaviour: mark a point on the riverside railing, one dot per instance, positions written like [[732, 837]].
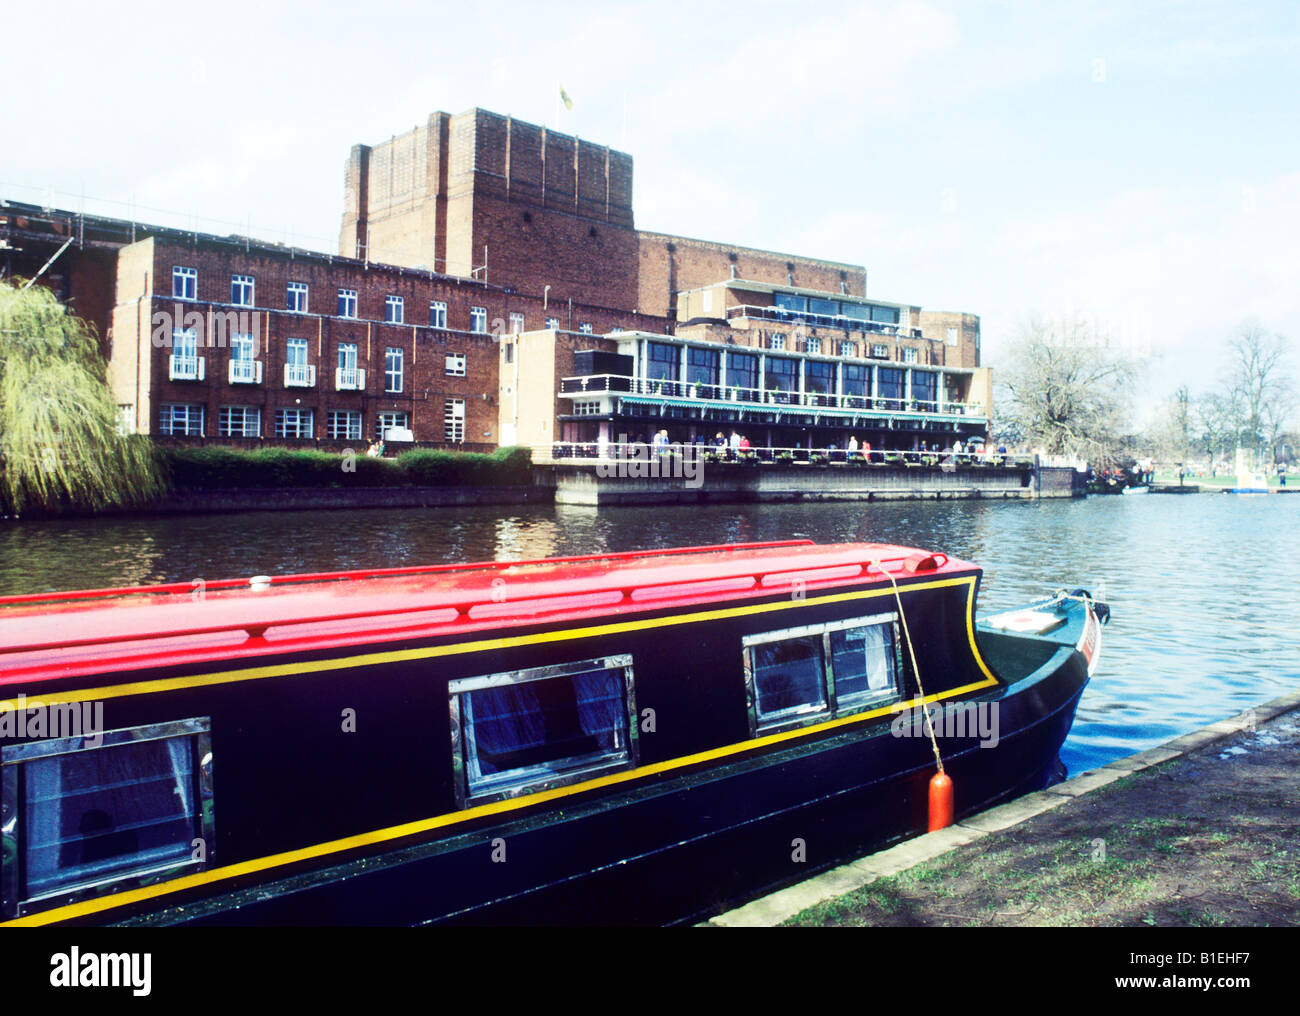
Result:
[[640, 451]]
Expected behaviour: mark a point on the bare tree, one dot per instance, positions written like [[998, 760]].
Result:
[[1066, 388], [1259, 383], [1216, 417]]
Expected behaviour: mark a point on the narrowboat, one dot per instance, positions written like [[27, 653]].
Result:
[[619, 739]]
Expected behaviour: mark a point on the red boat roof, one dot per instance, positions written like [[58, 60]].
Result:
[[43, 636]]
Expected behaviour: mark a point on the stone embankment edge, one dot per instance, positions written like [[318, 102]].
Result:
[[779, 906]]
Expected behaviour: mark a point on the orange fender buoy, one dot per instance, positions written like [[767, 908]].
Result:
[[940, 801]]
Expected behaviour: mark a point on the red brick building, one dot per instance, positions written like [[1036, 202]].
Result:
[[479, 256]]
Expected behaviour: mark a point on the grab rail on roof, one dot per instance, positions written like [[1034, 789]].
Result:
[[256, 629], [174, 588]]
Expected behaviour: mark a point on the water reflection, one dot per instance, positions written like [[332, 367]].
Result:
[[1206, 623]]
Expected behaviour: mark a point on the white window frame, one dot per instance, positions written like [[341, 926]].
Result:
[[242, 290], [394, 369], [185, 283], [879, 351], [194, 413], [347, 304], [437, 314], [304, 422], [585, 328], [478, 319], [387, 420], [516, 323], [552, 324], [394, 310], [453, 421], [456, 365], [910, 355], [351, 424], [296, 294], [247, 414]]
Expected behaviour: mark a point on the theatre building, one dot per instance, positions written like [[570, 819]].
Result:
[[490, 287]]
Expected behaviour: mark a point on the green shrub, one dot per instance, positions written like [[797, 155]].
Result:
[[219, 467]]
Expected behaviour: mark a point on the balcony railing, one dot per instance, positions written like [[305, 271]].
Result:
[[185, 368], [729, 395], [245, 372], [300, 375], [349, 379], [781, 315]]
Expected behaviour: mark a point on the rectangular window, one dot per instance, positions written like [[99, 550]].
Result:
[[243, 346], [781, 375], [585, 328], [516, 324], [239, 421], [909, 355], [702, 366], [814, 345], [742, 373], [393, 363], [801, 675], [950, 336], [241, 290], [663, 361], [776, 341], [889, 383], [388, 421], [454, 421], [344, 424], [552, 324], [848, 349], [478, 319], [296, 297], [347, 303], [185, 283], [819, 377], [437, 314], [348, 377], [185, 343], [925, 388], [790, 302], [93, 815], [294, 423], [455, 364], [509, 350], [181, 418], [529, 730], [394, 310], [880, 352]]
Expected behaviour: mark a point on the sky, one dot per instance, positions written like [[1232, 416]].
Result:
[[1137, 163]]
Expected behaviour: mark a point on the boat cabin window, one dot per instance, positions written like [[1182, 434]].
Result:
[[526, 730], [81, 816], [800, 675]]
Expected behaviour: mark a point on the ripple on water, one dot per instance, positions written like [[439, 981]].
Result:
[[1206, 612]]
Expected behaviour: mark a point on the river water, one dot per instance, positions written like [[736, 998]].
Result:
[[1206, 608]]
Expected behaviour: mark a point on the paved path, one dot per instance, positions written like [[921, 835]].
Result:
[[1203, 830]]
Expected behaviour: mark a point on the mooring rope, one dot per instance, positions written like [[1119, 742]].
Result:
[[907, 637]]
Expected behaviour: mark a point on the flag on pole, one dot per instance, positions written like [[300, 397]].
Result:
[[564, 98]]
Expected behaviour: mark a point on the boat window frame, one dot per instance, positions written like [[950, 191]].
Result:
[[833, 707], [13, 899], [607, 762]]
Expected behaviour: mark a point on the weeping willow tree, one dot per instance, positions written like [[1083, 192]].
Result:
[[60, 445]]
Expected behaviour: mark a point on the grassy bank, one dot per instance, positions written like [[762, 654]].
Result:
[[216, 467]]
